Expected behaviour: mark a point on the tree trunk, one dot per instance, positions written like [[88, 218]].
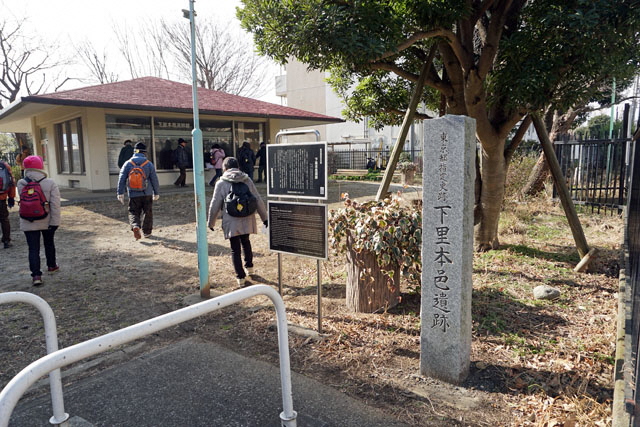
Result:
[[368, 289], [408, 177], [559, 123], [493, 169], [538, 176]]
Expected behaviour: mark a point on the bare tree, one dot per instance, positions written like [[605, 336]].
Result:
[[224, 61], [144, 50], [24, 63], [96, 63]]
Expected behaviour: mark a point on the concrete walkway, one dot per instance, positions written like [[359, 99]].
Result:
[[193, 383]]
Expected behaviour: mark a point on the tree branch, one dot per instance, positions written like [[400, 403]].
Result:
[[517, 138]]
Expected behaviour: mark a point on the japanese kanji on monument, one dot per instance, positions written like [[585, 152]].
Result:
[[447, 247]]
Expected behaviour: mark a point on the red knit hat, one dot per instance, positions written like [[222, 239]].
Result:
[[33, 162]]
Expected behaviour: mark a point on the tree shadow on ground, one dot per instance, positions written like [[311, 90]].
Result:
[[521, 380], [563, 254], [329, 290], [497, 313]]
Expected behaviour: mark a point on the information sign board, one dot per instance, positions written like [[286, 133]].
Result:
[[298, 229], [297, 170]]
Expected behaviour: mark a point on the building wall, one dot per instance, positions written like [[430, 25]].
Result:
[[97, 176], [309, 91], [306, 90]]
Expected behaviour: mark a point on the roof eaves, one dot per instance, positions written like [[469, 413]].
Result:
[[12, 108], [96, 104]]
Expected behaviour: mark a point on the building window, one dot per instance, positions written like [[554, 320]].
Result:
[[70, 147], [250, 132], [121, 128]]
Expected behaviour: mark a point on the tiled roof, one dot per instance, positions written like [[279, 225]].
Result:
[[152, 93]]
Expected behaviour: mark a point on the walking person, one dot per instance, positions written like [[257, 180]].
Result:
[[139, 177], [126, 152], [181, 159], [246, 159], [7, 201], [39, 215], [20, 158], [236, 229], [261, 156], [217, 157]]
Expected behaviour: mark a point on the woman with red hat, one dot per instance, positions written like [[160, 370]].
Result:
[[35, 181]]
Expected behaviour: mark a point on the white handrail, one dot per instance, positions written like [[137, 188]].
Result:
[[20, 383], [51, 341]]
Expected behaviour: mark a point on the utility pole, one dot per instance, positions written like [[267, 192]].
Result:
[[198, 167]]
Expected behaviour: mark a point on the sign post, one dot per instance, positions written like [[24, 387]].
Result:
[[298, 171]]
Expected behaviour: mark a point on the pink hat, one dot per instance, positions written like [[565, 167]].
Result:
[[33, 162]]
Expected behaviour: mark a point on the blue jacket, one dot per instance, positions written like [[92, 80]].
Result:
[[153, 186]]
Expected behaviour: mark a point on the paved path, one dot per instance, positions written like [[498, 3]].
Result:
[[193, 383]]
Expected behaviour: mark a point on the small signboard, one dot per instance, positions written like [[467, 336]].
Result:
[[297, 170], [298, 229]]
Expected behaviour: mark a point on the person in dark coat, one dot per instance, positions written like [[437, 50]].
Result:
[[182, 162], [262, 165], [236, 229], [246, 159], [126, 153]]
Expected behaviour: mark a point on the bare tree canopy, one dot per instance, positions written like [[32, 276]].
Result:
[[26, 64], [225, 61], [97, 64]]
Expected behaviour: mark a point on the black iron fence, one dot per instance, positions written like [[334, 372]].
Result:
[[595, 171], [368, 159], [631, 363]]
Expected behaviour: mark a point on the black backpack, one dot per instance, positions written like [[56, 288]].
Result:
[[240, 202]]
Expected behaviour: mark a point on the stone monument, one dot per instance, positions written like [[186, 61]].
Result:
[[449, 154]]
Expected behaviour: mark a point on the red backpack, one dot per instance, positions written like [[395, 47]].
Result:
[[32, 201]]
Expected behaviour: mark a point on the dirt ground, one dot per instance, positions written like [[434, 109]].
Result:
[[108, 281]]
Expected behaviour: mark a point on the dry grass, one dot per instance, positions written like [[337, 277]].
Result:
[[533, 363]]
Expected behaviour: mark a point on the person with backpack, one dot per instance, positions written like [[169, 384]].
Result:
[[39, 210], [181, 159], [7, 201], [235, 195], [246, 159], [139, 177], [217, 156]]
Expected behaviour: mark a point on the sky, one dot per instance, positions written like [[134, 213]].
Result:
[[73, 21]]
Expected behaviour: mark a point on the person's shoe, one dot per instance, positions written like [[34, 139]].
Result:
[[53, 269], [249, 270], [136, 233], [7, 245], [241, 282], [147, 235], [37, 280]]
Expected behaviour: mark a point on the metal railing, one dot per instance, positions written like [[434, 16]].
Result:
[[595, 171], [51, 341], [14, 390]]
